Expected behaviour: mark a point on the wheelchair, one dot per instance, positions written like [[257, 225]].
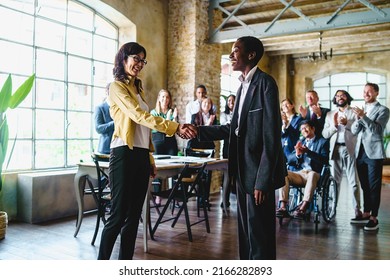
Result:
[[324, 201]]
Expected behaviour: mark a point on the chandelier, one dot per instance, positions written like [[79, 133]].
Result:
[[318, 56]]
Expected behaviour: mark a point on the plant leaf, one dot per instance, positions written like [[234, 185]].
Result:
[[4, 134], [5, 94], [22, 92]]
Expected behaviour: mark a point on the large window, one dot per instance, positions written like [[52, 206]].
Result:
[[353, 83], [229, 81], [70, 47]]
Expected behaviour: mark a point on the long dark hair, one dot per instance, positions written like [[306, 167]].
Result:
[[121, 56], [199, 117], [349, 97], [227, 109]]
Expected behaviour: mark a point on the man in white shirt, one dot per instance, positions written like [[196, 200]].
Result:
[[337, 128], [194, 106]]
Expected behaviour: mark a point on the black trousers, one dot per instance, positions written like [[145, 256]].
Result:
[[370, 176], [129, 174], [256, 226]]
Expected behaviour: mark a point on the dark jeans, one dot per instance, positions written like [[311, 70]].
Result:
[[370, 176], [129, 174]]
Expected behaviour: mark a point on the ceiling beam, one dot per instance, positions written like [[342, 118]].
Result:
[[300, 26]]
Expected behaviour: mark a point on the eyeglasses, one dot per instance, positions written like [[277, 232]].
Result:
[[137, 59]]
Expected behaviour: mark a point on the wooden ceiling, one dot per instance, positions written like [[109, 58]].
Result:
[[301, 27]]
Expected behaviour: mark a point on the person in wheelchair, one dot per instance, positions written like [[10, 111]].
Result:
[[311, 153]]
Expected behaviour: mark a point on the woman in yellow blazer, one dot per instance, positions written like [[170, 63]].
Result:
[[131, 160]]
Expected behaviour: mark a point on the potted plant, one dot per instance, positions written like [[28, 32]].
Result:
[[9, 100]]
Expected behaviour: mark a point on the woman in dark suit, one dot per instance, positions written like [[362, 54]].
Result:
[[290, 126]]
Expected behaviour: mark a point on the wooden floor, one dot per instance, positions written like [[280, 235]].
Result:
[[296, 240]]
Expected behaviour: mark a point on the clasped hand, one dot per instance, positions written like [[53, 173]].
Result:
[[187, 131]]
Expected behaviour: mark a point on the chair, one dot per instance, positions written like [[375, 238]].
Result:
[[97, 187], [326, 189], [205, 153], [101, 194], [188, 185]]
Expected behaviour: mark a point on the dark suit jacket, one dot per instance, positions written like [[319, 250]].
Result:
[[290, 136], [318, 123], [318, 155], [104, 125], [255, 155]]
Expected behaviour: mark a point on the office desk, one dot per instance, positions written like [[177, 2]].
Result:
[[166, 168]]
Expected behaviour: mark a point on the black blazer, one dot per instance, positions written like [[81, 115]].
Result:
[[255, 155], [318, 123]]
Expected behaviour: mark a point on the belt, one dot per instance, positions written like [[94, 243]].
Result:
[[340, 144]]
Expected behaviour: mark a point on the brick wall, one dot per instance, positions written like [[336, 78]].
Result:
[[191, 60]]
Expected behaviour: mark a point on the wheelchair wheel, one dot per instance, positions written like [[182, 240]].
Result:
[[329, 200]]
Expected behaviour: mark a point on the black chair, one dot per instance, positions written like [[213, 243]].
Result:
[[204, 153], [99, 188], [188, 185]]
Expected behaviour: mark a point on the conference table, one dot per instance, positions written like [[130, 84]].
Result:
[[167, 167]]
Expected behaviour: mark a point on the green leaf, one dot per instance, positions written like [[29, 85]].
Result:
[[22, 92], [5, 94], [4, 135]]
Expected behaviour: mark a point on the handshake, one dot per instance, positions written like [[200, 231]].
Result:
[[187, 131]]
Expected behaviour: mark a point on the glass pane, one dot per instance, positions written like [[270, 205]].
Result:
[[348, 78], [356, 91], [49, 124], [79, 42], [54, 9], [12, 56], [21, 157], [79, 70], [105, 28], [50, 94], [103, 73], [104, 49], [20, 123], [323, 82], [50, 65], [49, 154], [79, 97], [323, 94], [79, 125], [20, 5], [50, 35], [19, 26], [375, 78], [78, 150], [99, 95], [79, 15]]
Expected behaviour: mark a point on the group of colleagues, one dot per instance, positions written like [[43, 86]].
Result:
[[251, 128], [348, 138]]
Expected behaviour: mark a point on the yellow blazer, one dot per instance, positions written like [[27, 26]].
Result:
[[126, 113]]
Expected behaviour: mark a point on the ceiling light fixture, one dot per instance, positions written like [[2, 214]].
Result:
[[318, 56]]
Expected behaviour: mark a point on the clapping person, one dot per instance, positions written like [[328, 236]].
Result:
[[163, 143], [290, 126], [369, 128]]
